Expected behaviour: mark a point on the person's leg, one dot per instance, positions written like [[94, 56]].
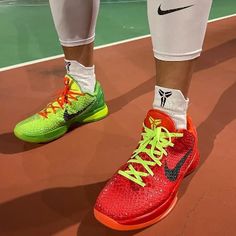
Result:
[[145, 190], [177, 37], [75, 22], [82, 99], [175, 74], [82, 54]]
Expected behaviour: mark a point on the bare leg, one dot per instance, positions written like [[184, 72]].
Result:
[[82, 54], [176, 75]]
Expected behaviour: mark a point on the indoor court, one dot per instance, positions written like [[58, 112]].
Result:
[[50, 189]]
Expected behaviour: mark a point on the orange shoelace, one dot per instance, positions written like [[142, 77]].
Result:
[[62, 99]]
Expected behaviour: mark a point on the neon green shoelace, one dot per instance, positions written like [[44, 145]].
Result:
[[159, 138]]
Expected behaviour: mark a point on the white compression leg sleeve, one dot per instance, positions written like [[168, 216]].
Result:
[[178, 28], [75, 20]]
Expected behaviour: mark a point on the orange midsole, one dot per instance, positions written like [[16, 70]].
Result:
[[109, 222]]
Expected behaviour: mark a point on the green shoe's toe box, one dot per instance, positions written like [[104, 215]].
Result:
[[38, 129]]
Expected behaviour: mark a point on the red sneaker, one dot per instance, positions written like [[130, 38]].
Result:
[[144, 190]]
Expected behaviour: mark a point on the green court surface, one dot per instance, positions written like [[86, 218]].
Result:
[[27, 30]]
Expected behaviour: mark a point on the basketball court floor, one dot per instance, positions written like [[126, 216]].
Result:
[[50, 189]]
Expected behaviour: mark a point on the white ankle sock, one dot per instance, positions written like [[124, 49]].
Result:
[[84, 76], [173, 103]]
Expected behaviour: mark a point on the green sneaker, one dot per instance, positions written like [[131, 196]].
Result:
[[72, 106]]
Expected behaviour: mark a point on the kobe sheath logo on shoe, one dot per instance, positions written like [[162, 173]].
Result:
[[164, 96], [162, 12], [172, 174]]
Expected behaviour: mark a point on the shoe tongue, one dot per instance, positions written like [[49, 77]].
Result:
[[73, 84], [157, 118]]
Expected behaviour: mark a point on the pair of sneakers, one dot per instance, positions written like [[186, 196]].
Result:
[[143, 190]]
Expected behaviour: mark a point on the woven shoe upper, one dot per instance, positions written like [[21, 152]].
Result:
[[123, 200], [53, 116]]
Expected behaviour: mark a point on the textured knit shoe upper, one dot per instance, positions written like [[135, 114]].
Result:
[[152, 174], [71, 104]]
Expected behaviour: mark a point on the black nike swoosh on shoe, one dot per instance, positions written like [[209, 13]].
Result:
[[68, 116], [165, 12], [172, 174]]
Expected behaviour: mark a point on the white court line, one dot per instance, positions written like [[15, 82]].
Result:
[[221, 18], [98, 47]]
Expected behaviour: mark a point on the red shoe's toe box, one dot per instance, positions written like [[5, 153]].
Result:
[[126, 202]]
